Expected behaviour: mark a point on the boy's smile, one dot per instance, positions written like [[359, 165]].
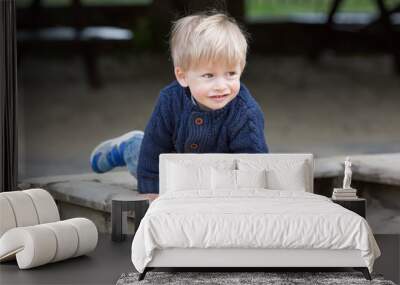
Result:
[[213, 85]]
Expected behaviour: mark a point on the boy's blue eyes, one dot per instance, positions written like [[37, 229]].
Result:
[[210, 75]]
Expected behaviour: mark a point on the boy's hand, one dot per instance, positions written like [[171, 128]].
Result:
[[151, 196]]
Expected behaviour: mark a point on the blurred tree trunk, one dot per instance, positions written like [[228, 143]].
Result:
[[162, 13]]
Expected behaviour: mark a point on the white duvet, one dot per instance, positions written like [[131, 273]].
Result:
[[252, 218]]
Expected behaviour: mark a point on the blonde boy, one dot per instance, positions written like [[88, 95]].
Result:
[[206, 110]]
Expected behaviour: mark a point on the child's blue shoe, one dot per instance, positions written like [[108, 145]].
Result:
[[109, 154]]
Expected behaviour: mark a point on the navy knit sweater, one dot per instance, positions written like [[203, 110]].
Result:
[[179, 125]]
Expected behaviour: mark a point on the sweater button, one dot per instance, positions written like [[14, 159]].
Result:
[[194, 145], [198, 121]]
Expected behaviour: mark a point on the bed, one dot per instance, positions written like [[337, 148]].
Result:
[[247, 210]]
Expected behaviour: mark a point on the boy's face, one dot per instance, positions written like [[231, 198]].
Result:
[[213, 85]]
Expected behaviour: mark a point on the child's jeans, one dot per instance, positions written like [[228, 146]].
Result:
[[131, 152]]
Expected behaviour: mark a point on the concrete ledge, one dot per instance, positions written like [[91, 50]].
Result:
[[94, 191], [377, 177], [379, 168], [88, 195], [101, 219], [376, 168]]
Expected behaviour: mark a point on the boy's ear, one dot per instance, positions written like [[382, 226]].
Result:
[[181, 76]]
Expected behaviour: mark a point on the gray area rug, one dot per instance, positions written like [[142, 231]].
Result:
[[229, 278]]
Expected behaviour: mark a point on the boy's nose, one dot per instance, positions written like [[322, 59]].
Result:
[[220, 85]]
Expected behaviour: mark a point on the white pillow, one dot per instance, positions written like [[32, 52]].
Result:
[[225, 179], [182, 177], [180, 171], [293, 179], [281, 174], [219, 164], [251, 178]]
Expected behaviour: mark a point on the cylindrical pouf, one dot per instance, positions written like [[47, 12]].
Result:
[[45, 205], [41, 244], [87, 233], [67, 240], [33, 246], [7, 218], [26, 208], [23, 208]]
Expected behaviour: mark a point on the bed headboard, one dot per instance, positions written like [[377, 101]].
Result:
[[209, 157]]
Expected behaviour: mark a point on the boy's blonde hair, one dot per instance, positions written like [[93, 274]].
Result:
[[207, 38]]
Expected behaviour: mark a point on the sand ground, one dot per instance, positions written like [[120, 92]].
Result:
[[341, 105]]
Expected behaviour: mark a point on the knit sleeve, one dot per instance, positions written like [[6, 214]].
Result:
[[157, 139], [247, 134]]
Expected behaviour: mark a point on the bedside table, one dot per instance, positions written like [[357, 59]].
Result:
[[357, 205]]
